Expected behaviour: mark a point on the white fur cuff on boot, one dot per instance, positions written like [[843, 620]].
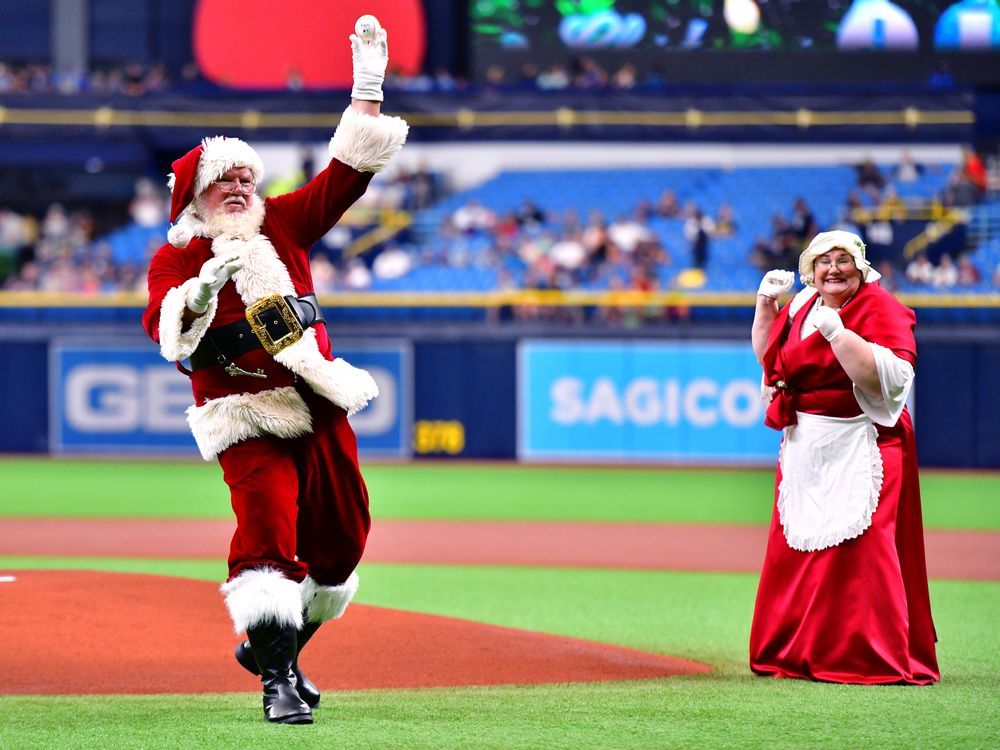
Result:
[[323, 603], [262, 595]]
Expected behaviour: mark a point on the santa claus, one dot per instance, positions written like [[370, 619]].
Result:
[[232, 294]]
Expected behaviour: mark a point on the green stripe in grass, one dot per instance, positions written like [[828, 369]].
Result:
[[144, 489]]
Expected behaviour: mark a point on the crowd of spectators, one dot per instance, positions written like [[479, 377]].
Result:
[[870, 207], [561, 251], [789, 235], [527, 248], [580, 74], [136, 79], [62, 250], [946, 274], [133, 79], [60, 253], [966, 185]]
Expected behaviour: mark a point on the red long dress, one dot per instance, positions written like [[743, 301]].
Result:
[[858, 612]]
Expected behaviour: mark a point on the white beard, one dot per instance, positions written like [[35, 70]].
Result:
[[242, 224]]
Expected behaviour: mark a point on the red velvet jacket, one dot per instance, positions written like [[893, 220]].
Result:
[[293, 223], [813, 380]]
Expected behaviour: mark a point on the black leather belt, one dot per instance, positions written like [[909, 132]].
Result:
[[273, 323]]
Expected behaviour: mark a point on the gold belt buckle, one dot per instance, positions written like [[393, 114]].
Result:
[[280, 305]]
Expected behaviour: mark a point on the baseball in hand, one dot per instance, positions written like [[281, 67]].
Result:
[[366, 28]]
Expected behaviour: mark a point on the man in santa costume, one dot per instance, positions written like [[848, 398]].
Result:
[[232, 293]]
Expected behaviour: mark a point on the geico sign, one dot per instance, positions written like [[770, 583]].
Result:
[[125, 398], [646, 401]]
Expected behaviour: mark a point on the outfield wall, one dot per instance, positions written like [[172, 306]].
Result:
[[470, 395]]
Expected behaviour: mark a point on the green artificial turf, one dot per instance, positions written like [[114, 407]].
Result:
[[679, 713], [147, 489], [703, 616]]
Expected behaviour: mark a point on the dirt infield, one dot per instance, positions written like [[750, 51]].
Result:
[[125, 633], [972, 555]]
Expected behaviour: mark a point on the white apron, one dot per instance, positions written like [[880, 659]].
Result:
[[831, 477]]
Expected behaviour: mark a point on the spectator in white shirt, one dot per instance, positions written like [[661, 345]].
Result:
[[920, 270], [946, 274]]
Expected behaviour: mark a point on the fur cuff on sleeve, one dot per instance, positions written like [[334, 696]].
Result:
[[352, 386], [175, 345], [366, 143], [349, 387]]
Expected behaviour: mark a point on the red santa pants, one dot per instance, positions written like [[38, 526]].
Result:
[[301, 504]]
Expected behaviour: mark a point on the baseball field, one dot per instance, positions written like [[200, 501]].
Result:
[[501, 606]]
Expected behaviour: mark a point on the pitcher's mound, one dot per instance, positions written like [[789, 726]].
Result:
[[83, 632]]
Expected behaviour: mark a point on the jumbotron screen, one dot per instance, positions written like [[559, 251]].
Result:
[[701, 40]]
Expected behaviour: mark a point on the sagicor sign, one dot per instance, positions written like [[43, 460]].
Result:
[[626, 400]]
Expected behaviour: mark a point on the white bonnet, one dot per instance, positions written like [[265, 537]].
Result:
[[824, 242]]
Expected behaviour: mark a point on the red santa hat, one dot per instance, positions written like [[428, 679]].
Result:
[[198, 169]]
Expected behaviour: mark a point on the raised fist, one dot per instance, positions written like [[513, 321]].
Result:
[[828, 322], [213, 276], [775, 283], [370, 56]]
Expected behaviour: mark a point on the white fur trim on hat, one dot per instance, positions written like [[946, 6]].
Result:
[[824, 242], [222, 422], [187, 227], [262, 595], [324, 603], [365, 142], [176, 344], [222, 154]]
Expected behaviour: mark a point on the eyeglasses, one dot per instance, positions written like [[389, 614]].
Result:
[[236, 186], [843, 264]]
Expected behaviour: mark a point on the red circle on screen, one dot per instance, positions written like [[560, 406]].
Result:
[[262, 44]]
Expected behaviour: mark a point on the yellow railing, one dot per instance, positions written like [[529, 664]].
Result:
[[693, 119], [388, 223], [933, 232], [520, 298], [889, 211]]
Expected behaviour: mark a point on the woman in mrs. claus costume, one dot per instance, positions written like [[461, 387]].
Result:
[[843, 593]]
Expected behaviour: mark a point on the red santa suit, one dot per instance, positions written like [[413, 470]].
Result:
[[843, 593], [286, 448]]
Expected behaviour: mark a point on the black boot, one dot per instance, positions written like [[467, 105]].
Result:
[[303, 685], [274, 648]]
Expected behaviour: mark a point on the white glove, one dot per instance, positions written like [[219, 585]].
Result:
[[213, 276], [370, 59], [775, 283], [828, 322]]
